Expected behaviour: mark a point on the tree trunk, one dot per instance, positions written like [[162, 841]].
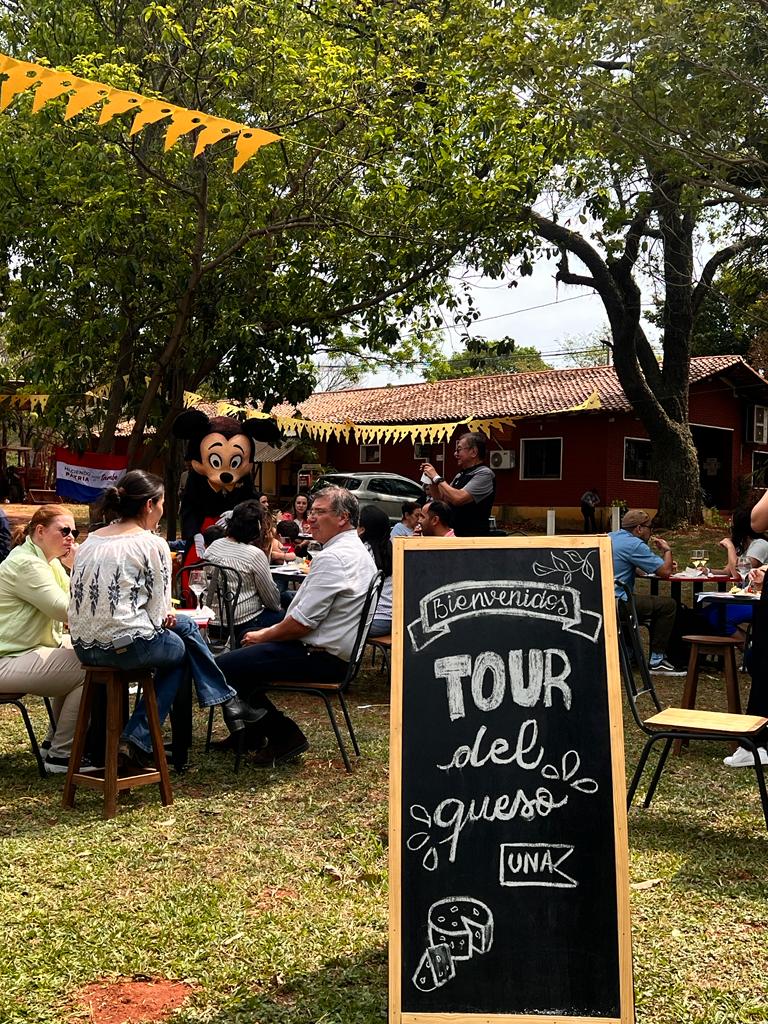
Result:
[[659, 396], [118, 390], [677, 469]]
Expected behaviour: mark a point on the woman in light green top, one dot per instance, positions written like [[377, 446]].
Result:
[[35, 657]]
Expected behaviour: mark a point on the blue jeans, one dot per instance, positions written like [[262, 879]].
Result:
[[171, 654], [266, 617], [247, 667]]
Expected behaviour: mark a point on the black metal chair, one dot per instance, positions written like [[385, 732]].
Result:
[[325, 691], [381, 645], [16, 700], [224, 587], [673, 723]]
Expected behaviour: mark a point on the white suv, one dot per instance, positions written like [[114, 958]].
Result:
[[387, 490]]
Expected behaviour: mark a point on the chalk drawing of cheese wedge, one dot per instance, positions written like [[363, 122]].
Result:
[[435, 968], [464, 923]]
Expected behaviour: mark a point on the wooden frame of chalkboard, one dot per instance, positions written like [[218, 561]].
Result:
[[509, 868]]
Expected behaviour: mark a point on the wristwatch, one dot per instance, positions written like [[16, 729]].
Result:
[[437, 480]]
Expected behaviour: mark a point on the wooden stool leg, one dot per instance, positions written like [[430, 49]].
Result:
[[153, 718], [689, 690], [78, 743], [114, 728], [732, 682]]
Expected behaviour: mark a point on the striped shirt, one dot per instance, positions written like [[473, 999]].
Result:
[[258, 590]]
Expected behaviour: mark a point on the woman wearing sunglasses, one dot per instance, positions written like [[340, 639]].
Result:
[[35, 656]]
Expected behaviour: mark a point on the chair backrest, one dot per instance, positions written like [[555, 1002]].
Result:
[[224, 586], [364, 625], [631, 650]]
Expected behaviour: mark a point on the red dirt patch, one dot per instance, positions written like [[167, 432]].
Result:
[[133, 1000], [270, 897]]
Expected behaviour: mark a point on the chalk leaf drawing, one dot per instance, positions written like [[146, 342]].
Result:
[[573, 563], [570, 765], [418, 840]]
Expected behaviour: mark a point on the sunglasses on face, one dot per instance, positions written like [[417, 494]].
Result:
[[66, 531]]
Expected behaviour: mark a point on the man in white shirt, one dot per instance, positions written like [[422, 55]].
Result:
[[314, 641]]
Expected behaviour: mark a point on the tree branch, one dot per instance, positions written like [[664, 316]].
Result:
[[714, 263]]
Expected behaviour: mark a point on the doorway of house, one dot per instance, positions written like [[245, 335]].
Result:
[[715, 450]]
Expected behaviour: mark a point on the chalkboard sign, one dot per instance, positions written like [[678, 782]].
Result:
[[508, 843]]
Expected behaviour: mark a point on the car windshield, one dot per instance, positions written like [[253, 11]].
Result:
[[406, 489], [349, 482]]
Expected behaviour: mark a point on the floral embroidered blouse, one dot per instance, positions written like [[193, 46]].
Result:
[[120, 586]]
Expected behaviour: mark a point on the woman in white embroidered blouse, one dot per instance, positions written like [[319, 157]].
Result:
[[119, 613]]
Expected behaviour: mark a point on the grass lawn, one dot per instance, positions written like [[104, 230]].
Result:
[[267, 891]]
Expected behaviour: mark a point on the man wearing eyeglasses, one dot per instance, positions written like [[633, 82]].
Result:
[[314, 641], [471, 492]]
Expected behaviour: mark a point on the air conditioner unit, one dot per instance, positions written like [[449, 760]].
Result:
[[501, 459]]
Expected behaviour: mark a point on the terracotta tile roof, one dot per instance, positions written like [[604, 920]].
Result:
[[541, 393]]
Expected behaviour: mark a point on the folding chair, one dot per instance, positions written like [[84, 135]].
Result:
[[670, 724], [325, 691], [16, 700], [380, 645]]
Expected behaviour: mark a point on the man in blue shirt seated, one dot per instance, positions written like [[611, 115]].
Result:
[[632, 553]]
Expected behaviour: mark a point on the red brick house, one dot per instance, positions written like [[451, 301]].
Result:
[[550, 456]]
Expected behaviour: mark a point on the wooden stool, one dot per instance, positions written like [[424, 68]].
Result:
[[107, 780], [724, 646]]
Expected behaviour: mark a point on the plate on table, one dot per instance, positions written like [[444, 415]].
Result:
[[204, 614]]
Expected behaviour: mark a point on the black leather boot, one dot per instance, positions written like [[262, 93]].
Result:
[[238, 714]]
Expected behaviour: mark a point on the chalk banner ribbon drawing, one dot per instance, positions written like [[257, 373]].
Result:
[[446, 605]]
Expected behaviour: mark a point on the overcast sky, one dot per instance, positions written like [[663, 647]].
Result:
[[540, 313], [537, 312]]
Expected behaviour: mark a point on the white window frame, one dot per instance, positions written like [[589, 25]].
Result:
[[754, 453], [523, 441], [364, 449], [764, 425], [634, 479], [436, 453]]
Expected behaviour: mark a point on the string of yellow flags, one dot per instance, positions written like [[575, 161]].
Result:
[[49, 84], [375, 433]]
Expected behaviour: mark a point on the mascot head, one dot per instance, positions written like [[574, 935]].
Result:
[[221, 449]]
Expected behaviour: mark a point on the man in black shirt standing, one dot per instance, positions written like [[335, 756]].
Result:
[[471, 492]]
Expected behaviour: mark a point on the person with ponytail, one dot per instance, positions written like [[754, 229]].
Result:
[[35, 655], [120, 614], [374, 531]]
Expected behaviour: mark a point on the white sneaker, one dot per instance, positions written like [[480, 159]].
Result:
[[743, 758], [666, 668]]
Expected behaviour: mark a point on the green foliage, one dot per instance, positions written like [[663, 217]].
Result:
[[658, 121], [734, 316], [417, 137], [481, 357], [127, 263]]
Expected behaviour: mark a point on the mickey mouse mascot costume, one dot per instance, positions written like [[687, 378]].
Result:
[[220, 452]]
